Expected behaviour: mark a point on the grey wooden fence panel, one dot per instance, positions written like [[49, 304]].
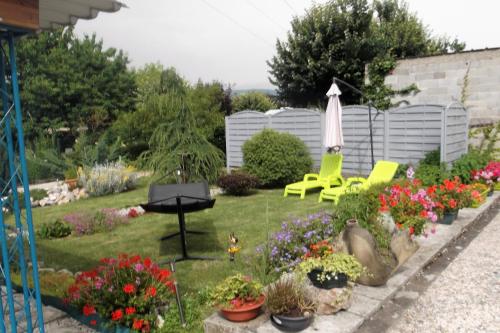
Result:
[[456, 139], [403, 135]]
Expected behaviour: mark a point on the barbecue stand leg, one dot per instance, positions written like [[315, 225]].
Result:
[[182, 232]]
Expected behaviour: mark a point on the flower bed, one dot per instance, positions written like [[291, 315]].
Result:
[[127, 292]]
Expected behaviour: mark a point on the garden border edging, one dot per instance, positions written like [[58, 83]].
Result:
[[367, 300]]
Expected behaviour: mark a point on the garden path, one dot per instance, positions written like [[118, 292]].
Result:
[[465, 297]]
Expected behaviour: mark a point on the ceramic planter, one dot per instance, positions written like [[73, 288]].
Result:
[[338, 280], [448, 217], [246, 312], [72, 183], [291, 324]]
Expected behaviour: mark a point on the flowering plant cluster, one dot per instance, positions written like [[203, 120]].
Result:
[[477, 193], [410, 205], [489, 175], [450, 196], [236, 291], [289, 245], [319, 249], [87, 223], [127, 291]]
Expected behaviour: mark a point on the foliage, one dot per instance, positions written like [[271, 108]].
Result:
[[71, 173], [108, 178], [235, 290], [71, 82], [340, 38], [127, 291], [432, 157], [364, 207], [38, 194], [254, 100], [44, 160], [430, 174], [179, 145], [410, 205], [237, 183], [331, 265], [289, 245], [463, 167], [56, 229], [288, 297], [87, 223], [193, 306], [276, 158]]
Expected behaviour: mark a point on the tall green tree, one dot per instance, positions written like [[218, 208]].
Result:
[[340, 38], [71, 82]]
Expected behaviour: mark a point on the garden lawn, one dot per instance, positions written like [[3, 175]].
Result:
[[251, 218]]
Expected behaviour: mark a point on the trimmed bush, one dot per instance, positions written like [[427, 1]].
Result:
[[238, 183], [276, 158]]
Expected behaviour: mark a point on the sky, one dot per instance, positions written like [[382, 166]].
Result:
[[231, 40]]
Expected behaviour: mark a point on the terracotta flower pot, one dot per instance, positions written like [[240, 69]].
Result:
[[72, 183], [291, 324], [245, 312]]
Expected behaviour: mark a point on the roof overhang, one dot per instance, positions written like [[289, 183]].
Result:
[[36, 15]]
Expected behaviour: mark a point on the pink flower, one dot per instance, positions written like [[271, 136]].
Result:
[[139, 267]]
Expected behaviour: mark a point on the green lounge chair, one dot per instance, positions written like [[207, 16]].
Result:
[[383, 172], [329, 175]]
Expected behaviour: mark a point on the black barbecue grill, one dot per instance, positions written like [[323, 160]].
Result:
[[179, 199]]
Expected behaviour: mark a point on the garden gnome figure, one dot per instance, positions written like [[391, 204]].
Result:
[[233, 246]]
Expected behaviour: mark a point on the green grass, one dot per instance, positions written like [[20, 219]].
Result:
[[251, 218]]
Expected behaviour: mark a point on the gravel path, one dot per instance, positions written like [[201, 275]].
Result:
[[466, 296]]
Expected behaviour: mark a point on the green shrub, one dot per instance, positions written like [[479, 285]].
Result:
[[255, 101], [107, 179], [431, 174], [57, 229], [237, 183], [276, 158], [38, 194], [401, 171], [473, 160], [432, 158]]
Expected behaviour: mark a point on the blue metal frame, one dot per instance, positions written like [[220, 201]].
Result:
[[22, 233]]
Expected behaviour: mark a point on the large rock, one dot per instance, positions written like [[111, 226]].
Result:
[[332, 300]]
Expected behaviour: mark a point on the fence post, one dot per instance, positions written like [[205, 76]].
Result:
[[227, 124], [443, 135], [386, 134]]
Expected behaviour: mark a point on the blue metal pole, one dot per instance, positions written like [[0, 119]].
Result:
[[3, 239], [16, 208], [25, 180]]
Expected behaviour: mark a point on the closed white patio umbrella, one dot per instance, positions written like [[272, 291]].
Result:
[[334, 138]]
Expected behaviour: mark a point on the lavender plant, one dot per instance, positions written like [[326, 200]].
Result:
[[287, 246]]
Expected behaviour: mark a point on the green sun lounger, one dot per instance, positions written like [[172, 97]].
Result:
[[383, 172], [330, 174]]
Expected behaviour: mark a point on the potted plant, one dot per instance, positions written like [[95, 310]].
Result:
[[71, 178], [291, 309], [451, 196], [489, 175], [238, 298], [331, 271], [478, 193]]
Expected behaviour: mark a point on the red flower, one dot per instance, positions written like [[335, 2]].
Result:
[[88, 310], [117, 314], [137, 324], [132, 213], [129, 310], [452, 203], [147, 262], [151, 291], [93, 322], [129, 288], [411, 230]]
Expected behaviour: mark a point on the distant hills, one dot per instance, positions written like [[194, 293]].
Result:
[[271, 92]]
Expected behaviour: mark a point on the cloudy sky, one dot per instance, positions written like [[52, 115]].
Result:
[[230, 40]]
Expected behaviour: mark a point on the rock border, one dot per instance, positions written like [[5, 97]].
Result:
[[368, 300]]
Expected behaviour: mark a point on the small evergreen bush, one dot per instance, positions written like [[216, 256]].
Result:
[[238, 183], [107, 179], [56, 229], [276, 158]]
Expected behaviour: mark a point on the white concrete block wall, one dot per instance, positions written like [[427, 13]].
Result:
[[441, 80]]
